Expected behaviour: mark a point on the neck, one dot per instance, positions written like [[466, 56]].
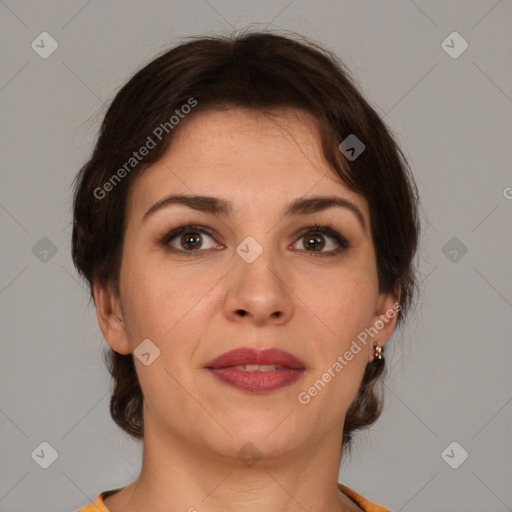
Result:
[[179, 475]]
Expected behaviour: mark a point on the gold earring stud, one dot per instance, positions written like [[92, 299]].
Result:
[[377, 351]]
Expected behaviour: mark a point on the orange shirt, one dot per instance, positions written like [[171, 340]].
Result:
[[367, 506]]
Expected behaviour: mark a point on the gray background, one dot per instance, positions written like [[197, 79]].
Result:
[[450, 376]]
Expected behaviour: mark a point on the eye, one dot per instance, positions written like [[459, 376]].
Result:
[[314, 241], [189, 239]]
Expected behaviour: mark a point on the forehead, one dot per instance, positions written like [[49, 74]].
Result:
[[252, 159]]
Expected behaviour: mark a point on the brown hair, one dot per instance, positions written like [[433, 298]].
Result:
[[262, 71]]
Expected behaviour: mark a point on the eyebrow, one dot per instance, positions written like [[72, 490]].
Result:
[[217, 206]]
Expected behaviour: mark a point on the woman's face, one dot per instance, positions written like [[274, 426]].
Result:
[[248, 277]]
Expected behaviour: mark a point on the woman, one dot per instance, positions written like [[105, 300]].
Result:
[[247, 226]]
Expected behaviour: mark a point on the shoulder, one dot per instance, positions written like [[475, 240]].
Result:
[[99, 505], [363, 503]]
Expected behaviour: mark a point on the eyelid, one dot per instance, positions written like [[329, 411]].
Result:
[[324, 229], [173, 233]]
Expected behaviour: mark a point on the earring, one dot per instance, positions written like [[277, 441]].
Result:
[[377, 351]]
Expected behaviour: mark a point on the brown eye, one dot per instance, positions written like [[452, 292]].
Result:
[[191, 240], [317, 238], [314, 242]]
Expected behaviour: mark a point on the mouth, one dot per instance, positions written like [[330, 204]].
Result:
[[257, 371]]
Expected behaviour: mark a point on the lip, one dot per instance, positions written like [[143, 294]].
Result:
[[288, 369], [242, 356]]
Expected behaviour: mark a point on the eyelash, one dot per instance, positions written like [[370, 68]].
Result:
[[315, 229]]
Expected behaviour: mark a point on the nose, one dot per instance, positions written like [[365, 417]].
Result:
[[259, 293]]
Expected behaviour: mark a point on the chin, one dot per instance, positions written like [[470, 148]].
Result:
[[270, 433]]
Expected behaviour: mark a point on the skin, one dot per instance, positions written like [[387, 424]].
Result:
[[190, 308]]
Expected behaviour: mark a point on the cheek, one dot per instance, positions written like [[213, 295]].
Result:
[[339, 309], [160, 302], [355, 305], [172, 311], [340, 358], [343, 302]]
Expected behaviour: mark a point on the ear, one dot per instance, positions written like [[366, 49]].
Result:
[[384, 320], [110, 317]]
